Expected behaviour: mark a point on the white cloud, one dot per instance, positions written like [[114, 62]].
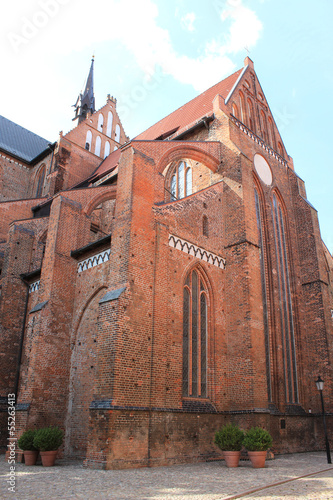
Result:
[[188, 21], [65, 29], [37, 34], [245, 28]]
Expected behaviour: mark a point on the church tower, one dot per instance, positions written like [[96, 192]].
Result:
[[85, 102]]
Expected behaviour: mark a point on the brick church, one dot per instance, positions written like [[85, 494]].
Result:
[[154, 289]]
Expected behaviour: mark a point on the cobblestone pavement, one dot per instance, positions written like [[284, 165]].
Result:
[[290, 477]]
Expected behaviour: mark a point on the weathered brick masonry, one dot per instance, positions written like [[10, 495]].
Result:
[[154, 293]]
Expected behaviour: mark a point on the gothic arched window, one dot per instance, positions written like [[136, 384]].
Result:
[[242, 107], [286, 310], [195, 320], [262, 255], [280, 149], [235, 111], [181, 181], [271, 133], [263, 126], [40, 181], [251, 120]]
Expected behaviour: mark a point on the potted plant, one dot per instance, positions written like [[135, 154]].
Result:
[[48, 440], [26, 443], [230, 440], [257, 441]]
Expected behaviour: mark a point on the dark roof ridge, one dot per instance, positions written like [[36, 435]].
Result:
[[20, 142]]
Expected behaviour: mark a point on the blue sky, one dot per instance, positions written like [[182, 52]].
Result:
[[154, 56]]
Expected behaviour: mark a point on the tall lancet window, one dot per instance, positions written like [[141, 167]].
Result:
[[286, 310], [195, 317], [264, 293], [40, 181]]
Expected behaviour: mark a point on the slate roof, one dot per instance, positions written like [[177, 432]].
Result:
[[189, 113], [20, 142]]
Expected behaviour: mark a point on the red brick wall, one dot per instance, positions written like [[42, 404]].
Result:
[[120, 361]]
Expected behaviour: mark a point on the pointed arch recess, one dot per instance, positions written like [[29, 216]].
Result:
[[83, 309], [205, 379], [110, 194], [83, 366], [264, 256], [190, 152], [286, 285]]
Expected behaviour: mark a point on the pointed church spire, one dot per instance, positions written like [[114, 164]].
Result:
[[85, 102]]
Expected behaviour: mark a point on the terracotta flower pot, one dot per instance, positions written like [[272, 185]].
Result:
[[258, 458], [30, 457], [48, 457], [232, 458]]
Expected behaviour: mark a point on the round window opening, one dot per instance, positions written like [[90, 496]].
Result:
[[263, 169]]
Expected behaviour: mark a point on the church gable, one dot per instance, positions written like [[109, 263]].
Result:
[[170, 284], [102, 132], [247, 103]]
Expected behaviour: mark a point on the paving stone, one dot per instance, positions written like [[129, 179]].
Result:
[[291, 477]]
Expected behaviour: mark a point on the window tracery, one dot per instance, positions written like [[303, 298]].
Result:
[[286, 309], [195, 320], [181, 181]]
